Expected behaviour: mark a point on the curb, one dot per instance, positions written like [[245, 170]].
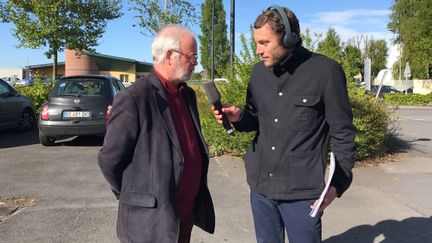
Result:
[[413, 107]]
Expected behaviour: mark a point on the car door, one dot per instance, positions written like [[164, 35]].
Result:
[[9, 106]]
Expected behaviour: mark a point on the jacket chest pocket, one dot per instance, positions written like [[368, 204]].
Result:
[[304, 112]]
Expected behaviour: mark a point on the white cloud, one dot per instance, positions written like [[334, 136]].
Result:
[[350, 16]]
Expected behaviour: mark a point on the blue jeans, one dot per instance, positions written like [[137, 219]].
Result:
[[271, 217]]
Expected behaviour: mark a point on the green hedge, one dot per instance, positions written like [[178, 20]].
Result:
[[409, 99], [216, 137], [374, 122]]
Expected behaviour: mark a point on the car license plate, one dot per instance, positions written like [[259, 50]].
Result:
[[76, 114]]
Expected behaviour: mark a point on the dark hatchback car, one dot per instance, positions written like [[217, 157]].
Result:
[[77, 105], [16, 111]]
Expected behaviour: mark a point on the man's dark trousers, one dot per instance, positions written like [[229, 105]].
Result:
[[272, 216]]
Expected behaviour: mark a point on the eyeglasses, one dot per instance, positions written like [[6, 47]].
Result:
[[190, 57]]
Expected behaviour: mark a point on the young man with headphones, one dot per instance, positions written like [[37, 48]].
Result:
[[297, 103]]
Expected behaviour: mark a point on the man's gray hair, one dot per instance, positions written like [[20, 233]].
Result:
[[168, 38]]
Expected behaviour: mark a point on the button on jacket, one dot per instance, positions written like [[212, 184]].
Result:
[[297, 108]]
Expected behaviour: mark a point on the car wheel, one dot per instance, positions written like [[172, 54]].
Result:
[[46, 141], [27, 121]]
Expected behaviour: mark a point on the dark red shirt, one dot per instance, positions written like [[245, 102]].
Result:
[[191, 178]]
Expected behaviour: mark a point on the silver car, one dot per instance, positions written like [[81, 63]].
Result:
[[77, 105], [16, 111], [25, 82]]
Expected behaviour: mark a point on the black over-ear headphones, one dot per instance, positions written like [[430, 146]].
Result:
[[290, 39]]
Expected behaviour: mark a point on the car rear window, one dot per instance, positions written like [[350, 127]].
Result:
[[81, 87]]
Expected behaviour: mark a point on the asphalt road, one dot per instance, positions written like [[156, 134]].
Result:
[[74, 204], [415, 126], [388, 203]]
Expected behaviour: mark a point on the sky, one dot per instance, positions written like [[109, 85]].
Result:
[[349, 19]]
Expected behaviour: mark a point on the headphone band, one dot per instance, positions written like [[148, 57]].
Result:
[[290, 39], [282, 16]]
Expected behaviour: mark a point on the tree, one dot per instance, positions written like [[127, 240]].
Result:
[[310, 39], [352, 61], [221, 44], [411, 21], [331, 46], [153, 15], [377, 50], [59, 24], [243, 65]]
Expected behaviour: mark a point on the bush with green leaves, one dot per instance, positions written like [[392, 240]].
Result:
[[215, 135], [374, 122], [409, 99], [37, 93]]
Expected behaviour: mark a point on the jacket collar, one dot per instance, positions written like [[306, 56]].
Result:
[[160, 98], [293, 61]]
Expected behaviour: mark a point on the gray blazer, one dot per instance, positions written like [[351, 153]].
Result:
[[142, 160]]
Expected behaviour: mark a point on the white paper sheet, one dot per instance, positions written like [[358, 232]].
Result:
[[314, 211]]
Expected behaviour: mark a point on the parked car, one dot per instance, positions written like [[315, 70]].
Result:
[[25, 81], [10, 80], [16, 111], [77, 105], [385, 89]]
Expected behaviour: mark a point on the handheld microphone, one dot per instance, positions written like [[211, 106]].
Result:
[[213, 97]]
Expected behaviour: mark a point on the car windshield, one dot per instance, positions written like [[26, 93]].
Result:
[[80, 87]]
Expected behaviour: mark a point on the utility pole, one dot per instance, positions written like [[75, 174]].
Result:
[[367, 73], [232, 32], [212, 42], [407, 74], [400, 62]]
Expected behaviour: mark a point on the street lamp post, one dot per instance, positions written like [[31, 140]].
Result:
[[232, 32], [407, 74], [212, 42]]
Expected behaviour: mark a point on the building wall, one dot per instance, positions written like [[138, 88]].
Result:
[[118, 74], [47, 71], [130, 74], [422, 86], [79, 64]]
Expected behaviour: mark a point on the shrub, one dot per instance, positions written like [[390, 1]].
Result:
[[37, 93], [215, 135], [375, 124], [409, 99]]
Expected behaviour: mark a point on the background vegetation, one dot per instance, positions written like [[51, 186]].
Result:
[[374, 122], [59, 24], [37, 92], [411, 21], [221, 44], [410, 99]]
